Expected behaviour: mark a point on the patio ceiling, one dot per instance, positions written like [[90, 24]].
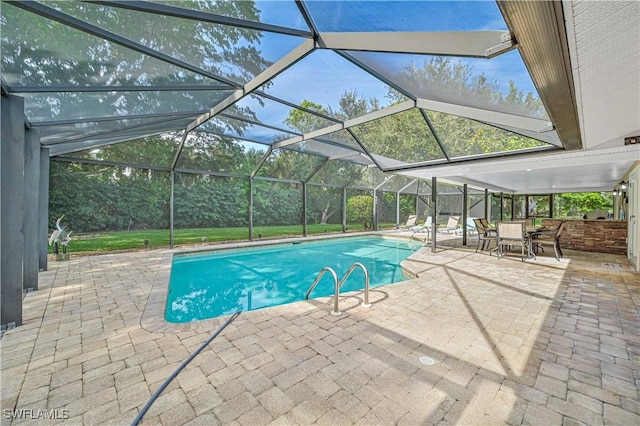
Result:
[[95, 74]]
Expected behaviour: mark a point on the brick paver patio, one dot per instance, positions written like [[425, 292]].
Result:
[[536, 342]]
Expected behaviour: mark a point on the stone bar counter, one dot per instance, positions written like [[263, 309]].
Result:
[[604, 236]]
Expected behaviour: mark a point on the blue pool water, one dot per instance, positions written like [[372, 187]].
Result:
[[219, 283]]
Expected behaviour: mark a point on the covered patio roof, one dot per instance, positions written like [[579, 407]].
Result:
[[511, 96]]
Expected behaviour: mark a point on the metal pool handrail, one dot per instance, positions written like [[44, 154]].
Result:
[[319, 277], [338, 284]]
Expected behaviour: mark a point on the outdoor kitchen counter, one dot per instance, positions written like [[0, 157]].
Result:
[[604, 236]]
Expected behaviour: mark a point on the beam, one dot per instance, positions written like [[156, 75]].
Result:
[[366, 151], [316, 170], [341, 145], [465, 208], [398, 193], [171, 206], [435, 134], [478, 114], [250, 208], [178, 12], [113, 132], [434, 212], [239, 138], [378, 75], [278, 180], [472, 44], [471, 158], [266, 155], [487, 203], [43, 209], [108, 89], [285, 62], [219, 107], [31, 259], [176, 157], [344, 155], [394, 109], [384, 112], [258, 123], [11, 209], [62, 149], [79, 160], [306, 15], [298, 107], [168, 115], [304, 209], [208, 173], [375, 201], [344, 210]]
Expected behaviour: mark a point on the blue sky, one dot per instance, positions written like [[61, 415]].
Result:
[[340, 15], [323, 76]]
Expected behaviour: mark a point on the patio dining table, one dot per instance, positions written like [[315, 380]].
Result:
[[532, 230]]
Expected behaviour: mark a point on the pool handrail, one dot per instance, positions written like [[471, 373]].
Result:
[[319, 277], [365, 303], [338, 284]]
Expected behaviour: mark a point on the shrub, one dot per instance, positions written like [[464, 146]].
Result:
[[360, 209]]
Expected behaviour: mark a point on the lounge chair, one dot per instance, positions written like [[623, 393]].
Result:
[[411, 222], [452, 225], [470, 228], [425, 228]]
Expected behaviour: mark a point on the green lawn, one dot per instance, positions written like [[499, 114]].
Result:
[[132, 240]]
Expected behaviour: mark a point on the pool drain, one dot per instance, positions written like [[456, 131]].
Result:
[[426, 360]]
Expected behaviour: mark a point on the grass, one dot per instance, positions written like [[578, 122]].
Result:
[[158, 238]]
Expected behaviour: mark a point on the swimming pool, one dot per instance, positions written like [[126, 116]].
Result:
[[219, 283]]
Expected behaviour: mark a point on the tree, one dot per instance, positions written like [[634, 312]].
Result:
[[577, 204], [450, 80], [51, 53], [305, 122], [360, 210]]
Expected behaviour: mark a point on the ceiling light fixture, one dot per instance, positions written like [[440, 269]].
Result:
[[623, 185], [614, 192]]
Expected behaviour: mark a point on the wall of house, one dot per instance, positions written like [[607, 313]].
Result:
[[632, 211]]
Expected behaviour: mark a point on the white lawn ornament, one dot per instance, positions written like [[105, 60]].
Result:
[[60, 238]]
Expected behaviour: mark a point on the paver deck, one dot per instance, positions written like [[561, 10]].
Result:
[[536, 342]]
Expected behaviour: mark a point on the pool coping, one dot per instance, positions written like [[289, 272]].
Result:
[[153, 319]]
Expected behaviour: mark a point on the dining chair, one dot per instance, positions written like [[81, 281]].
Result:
[[550, 237], [486, 223], [513, 234], [485, 235]]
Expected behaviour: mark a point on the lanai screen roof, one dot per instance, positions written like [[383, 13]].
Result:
[[395, 85]]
